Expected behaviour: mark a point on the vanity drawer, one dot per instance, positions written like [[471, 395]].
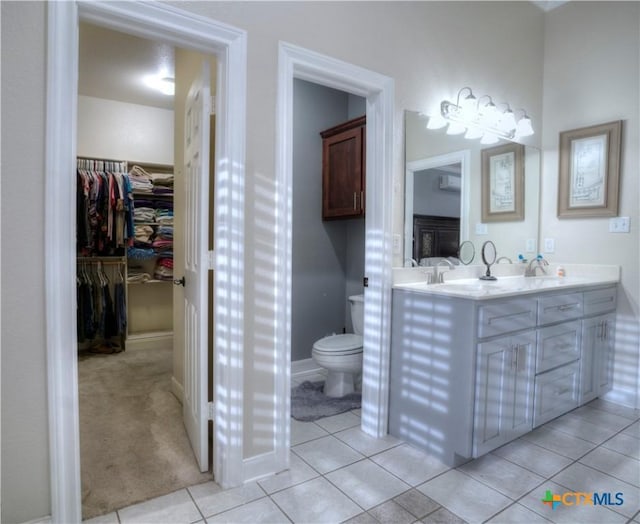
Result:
[[599, 300], [558, 345], [558, 308], [556, 392], [505, 317]]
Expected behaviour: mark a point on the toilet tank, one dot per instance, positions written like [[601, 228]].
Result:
[[357, 313]]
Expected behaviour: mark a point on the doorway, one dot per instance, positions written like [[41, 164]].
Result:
[[132, 435], [182, 29], [378, 90]]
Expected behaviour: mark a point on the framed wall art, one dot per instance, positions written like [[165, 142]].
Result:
[[503, 183], [589, 171]]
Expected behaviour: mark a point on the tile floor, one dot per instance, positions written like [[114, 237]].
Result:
[[338, 474]]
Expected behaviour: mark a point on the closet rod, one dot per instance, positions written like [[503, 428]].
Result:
[[104, 260]]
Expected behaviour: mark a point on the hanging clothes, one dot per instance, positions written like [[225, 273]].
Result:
[[104, 208], [101, 306]]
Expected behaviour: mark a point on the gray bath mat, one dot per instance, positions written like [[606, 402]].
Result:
[[309, 403]]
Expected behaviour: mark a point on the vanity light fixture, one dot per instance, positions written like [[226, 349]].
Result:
[[481, 118]]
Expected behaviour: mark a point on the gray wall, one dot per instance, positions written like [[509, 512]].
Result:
[[429, 199], [323, 257]]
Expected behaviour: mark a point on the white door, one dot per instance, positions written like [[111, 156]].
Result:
[[196, 169]]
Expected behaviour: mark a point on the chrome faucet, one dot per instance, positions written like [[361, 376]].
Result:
[[540, 263], [439, 276], [412, 261]]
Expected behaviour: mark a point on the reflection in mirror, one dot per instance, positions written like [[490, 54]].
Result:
[[466, 252], [443, 185], [489, 255]]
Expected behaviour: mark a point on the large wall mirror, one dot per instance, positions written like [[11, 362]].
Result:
[[443, 196]]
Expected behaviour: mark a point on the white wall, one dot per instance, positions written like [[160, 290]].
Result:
[[495, 46], [118, 130], [591, 76], [25, 446]]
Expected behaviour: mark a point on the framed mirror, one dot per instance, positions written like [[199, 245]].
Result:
[[443, 187]]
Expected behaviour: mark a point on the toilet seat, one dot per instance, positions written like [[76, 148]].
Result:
[[338, 345]]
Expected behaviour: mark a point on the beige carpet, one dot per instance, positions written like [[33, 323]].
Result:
[[133, 445]]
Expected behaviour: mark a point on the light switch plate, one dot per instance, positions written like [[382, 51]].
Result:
[[619, 224], [549, 245], [482, 229], [397, 244], [530, 246]]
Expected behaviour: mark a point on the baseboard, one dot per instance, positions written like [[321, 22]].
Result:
[[177, 389], [155, 339], [261, 466], [304, 368], [43, 520]]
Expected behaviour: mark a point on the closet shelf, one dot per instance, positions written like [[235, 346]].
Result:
[[142, 194], [152, 281]]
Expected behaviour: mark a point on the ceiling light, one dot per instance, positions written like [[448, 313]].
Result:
[[165, 84]]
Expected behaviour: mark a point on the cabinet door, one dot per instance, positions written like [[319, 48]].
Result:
[[504, 393], [595, 362], [343, 174], [605, 359]]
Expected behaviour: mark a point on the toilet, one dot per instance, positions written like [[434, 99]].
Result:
[[341, 355]]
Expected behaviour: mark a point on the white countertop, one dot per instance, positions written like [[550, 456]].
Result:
[[515, 285]]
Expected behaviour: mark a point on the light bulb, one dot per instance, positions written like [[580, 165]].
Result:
[[469, 108], [473, 133], [436, 122], [489, 115], [455, 129], [489, 138], [507, 121], [524, 127]]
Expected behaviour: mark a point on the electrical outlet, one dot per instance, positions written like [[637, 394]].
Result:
[[482, 229], [619, 224], [530, 246], [549, 245]]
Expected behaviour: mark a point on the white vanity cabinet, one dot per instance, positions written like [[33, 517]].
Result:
[[468, 376]]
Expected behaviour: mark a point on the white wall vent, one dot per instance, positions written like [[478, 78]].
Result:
[[449, 183]]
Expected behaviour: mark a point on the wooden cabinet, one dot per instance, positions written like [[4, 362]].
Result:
[[504, 394], [343, 170]]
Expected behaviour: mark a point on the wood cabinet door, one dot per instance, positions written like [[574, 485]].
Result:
[[343, 186]]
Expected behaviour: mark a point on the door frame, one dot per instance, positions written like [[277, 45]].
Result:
[[297, 62], [464, 157], [183, 29]]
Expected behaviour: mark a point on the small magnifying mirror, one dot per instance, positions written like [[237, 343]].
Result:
[[489, 255], [466, 252]]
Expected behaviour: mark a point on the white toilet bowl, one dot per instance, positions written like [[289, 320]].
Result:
[[341, 355]]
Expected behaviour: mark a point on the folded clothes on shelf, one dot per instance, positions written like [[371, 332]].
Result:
[[140, 253]]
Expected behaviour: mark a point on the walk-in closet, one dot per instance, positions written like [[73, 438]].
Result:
[[129, 234]]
